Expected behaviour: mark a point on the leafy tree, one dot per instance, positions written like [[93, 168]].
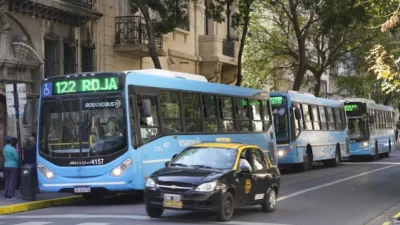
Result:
[[310, 35], [171, 13]]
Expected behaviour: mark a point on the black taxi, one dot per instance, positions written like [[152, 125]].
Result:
[[217, 177]]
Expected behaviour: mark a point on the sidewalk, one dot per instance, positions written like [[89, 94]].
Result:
[[43, 200]]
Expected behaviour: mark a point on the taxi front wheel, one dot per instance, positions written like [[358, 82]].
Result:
[[269, 201], [225, 211], [154, 212]]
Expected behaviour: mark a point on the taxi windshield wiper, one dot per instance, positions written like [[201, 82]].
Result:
[[179, 164], [205, 167]]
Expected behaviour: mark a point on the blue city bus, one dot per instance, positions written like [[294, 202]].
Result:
[[371, 128], [106, 132], [308, 129]]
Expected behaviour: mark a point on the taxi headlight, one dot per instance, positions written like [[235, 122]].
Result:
[[207, 187], [119, 170], [150, 183], [364, 144], [45, 172]]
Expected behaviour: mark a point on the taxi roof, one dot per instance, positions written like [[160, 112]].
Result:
[[222, 145]]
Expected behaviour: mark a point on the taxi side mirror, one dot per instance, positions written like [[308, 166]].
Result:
[[167, 163], [244, 170]]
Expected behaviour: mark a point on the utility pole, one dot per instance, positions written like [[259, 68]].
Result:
[[16, 105]]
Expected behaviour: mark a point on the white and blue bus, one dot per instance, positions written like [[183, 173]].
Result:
[[308, 129], [371, 128], [106, 132]]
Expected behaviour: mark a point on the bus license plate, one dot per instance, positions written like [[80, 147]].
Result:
[[82, 190], [172, 201]]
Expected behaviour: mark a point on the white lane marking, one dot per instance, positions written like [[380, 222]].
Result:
[[370, 163], [133, 217], [34, 223], [332, 183], [93, 223]]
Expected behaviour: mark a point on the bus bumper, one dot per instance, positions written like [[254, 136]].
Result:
[[99, 184], [286, 155], [359, 149]]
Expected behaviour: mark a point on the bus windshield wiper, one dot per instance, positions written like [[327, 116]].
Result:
[[179, 164]]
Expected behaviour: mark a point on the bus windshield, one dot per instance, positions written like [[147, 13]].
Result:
[[281, 119], [96, 123], [358, 128]]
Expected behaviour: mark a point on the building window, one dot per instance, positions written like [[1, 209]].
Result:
[[51, 55], [70, 55], [88, 62]]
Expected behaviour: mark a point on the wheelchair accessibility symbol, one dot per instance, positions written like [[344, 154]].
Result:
[[46, 89]]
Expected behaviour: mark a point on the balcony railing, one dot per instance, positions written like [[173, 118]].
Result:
[[133, 30], [83, 3], [228, 48]]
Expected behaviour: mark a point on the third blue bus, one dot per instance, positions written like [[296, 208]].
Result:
[[371, 128], [308, 129]]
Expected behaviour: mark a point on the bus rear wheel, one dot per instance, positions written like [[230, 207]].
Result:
[[335, 161], [387, 154], [307, 161]]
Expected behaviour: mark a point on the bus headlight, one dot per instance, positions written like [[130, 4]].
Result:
[[364, 144], [283, 152], [119, 170], [46, 172]]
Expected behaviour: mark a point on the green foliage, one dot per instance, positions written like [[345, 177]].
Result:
[[171, 13]]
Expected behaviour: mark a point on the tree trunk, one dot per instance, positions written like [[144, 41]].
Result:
[[150, 33], [242, 43], [317, 87], [387, 99], [301, 71]]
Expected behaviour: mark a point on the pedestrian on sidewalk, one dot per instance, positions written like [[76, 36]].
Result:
[[11, 162]]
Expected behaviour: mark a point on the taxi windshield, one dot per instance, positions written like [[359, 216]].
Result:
[[206, 157]]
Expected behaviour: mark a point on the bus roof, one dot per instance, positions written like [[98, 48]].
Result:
[[168, 73], [136, 77], [370, 103], [307, 98]]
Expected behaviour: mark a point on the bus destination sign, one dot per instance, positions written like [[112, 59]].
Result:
[[275, 101], [85, 84], [351, 108]]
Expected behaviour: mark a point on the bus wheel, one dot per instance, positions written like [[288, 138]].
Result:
[[335, 161], [376, 156], [307, 161], [387, 154]]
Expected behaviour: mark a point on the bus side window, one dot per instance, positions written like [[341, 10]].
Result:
[[322, 113], [306, 117], [330, 119], [255, 107], [210, 113], [226, 110], [242, 114], [192, 112], [315, 117], [149, 126], [170, 112], [266, 114], [338, 119]]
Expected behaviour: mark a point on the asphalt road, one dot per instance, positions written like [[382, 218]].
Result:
[[353, 193]]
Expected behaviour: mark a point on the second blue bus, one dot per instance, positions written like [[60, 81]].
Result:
[[308, 129]]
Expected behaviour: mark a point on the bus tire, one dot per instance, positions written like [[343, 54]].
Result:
[[335, 161], [376, 156], [154, 212], [307, 161], [387, 154]]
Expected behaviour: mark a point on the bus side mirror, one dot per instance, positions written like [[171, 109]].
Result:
[[174, 156], [167, 163], [27, 114], [146, 108], [297, 113], [371, 119]]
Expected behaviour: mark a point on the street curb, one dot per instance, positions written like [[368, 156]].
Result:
[[22, 207]]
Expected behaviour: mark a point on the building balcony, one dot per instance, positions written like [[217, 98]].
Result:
[[215, 48], [131, 37], [72, 12]]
